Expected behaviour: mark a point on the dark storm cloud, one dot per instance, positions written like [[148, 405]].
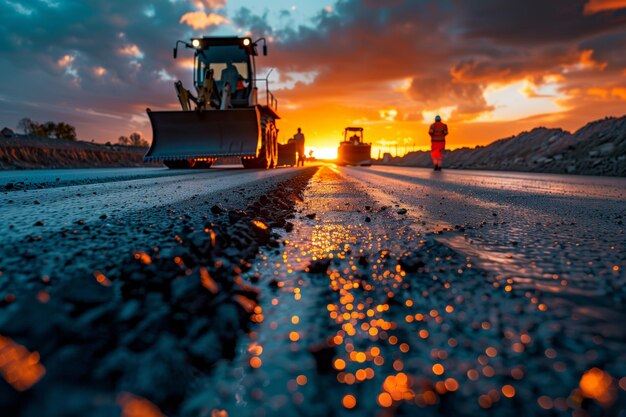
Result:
[[254, 23], [530, 22], [99, 63], [450, 50], [89, 59]]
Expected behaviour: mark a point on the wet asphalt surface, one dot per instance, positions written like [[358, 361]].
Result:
[[378, 291]]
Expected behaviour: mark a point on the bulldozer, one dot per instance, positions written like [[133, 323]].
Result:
[[226, 117], [353, 150]]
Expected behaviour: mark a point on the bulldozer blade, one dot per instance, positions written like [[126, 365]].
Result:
[[212, 133]]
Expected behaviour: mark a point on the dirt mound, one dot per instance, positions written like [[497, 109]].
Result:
[[31, 152], [598, 148]]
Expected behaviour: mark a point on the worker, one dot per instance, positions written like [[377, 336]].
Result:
[[437, 132], [299, 139], [230, 76]]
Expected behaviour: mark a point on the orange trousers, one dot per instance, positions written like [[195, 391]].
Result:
[[436, 151]]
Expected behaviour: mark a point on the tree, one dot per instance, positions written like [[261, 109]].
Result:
[[38, 129], [123, 140], [137, 140], [65, 131], [48, 129], [26, 126]]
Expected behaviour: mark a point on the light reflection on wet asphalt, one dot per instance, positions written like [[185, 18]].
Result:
[[516, 308]]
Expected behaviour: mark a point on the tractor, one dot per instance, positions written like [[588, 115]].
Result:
[[226, 117], [353, 150]]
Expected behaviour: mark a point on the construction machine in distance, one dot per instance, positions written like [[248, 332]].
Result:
[[287, 153], [353, 150], [225, 117]]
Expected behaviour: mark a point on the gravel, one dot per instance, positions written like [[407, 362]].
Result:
[[131, 303]]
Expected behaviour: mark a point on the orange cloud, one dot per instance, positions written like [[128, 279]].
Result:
[[388, 114], [65, 61], [201, 20], [587, 61], [597, 6], [131, 50], [618, 92], [99, 71], [211, 4]]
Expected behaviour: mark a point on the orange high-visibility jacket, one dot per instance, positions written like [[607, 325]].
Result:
[[438, 132]]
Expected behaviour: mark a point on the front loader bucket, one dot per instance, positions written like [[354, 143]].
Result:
[[212, 133]]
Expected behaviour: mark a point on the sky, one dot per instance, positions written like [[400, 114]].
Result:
[[490, 68]]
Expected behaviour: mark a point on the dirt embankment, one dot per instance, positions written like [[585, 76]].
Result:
[[599, 148], [29, 152]]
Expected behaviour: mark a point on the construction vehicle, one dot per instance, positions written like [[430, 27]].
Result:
[[226, 117], [353, 150], [287, 153]]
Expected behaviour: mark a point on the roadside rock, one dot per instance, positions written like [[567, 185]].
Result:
[[85, 293], [411, 262], [158, 314], [217, 209], [157, 374], [319, 266], [191, 296], [204, 351]]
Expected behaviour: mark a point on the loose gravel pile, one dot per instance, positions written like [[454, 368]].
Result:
[[144, 323]]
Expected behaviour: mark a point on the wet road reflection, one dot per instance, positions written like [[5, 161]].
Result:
[[520, 182], [370, 314]]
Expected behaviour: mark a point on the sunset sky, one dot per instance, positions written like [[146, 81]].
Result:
[[490, 68]]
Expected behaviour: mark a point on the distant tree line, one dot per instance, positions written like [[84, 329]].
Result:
[[134, 139], [66, 131], [59, 130]]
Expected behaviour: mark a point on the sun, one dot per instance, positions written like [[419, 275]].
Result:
[[323, 153]]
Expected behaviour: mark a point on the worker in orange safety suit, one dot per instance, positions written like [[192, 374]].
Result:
[[437, 132]]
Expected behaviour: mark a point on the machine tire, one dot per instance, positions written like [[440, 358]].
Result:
[[274, 148], [260, 162], [180, 164], [265, 159]]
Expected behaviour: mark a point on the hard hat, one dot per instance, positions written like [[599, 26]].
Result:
[[437, 118]]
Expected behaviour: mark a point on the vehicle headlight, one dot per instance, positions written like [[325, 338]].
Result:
[[195, 43], [246, 42]]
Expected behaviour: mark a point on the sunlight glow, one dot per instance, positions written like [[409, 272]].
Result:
[[596, 6], [528, 100], [324, 153], [388, 114], [444, 112]]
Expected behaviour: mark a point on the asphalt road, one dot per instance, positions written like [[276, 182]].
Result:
[[519, 301], [60, 198], [444, 293]]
